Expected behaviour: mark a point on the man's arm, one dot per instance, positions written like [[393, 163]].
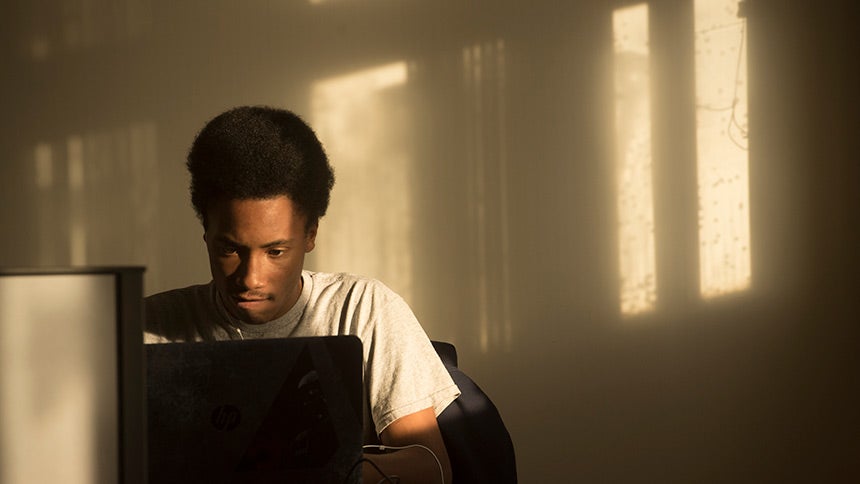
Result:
[[414, 464]]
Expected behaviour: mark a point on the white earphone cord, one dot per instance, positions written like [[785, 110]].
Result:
[[390, 447]]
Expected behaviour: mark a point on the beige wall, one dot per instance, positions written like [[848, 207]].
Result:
[[473, 151]]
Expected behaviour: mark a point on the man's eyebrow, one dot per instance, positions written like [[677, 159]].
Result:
[[277, 243]]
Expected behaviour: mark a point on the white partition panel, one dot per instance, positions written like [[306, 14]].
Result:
[[60, 378]]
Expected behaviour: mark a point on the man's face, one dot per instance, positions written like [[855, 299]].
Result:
[[256, 252]]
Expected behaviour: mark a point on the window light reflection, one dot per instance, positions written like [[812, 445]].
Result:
[[364, 125], [633, 159], [723, 162], [77, 202], [44, 160], [486, 171]]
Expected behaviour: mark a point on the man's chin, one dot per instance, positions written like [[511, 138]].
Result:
[[254, 312], [254, 318], [251, 317]]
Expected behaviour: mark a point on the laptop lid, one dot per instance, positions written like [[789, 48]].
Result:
[[255, 411]]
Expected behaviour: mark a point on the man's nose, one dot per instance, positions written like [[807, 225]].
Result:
[[251, 274]]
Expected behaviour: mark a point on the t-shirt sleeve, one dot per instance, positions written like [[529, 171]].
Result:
[[403, 374]]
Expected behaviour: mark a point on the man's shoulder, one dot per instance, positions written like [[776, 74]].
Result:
[[337, 277], [345, 295], [347, 282]]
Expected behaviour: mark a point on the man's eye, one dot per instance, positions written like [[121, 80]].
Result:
[[276, 252], [226, 250]]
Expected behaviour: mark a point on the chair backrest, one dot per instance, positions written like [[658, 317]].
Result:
[[478, 443]]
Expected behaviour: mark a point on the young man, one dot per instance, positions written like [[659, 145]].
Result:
[[260, 181]]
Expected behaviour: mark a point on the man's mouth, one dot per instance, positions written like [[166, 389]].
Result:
[[247, 302]]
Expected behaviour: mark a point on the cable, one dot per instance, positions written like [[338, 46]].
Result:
[[385, 477], [391, 447]]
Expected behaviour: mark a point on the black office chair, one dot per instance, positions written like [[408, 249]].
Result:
[[478, 443]]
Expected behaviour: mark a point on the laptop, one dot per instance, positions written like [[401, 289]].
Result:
[[255, 411]]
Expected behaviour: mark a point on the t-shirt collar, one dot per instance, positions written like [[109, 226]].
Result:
[[280, 327]]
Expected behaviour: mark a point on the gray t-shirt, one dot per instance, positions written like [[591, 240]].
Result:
[[402, 373]]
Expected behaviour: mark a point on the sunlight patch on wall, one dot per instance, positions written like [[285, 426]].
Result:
[[723, 161], [633, 159], [486, 170], [77, 202], [45, 207], [363, 122], [44, 161], [98, 202]]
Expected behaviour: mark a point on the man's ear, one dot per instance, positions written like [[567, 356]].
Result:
[[311, 236]]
